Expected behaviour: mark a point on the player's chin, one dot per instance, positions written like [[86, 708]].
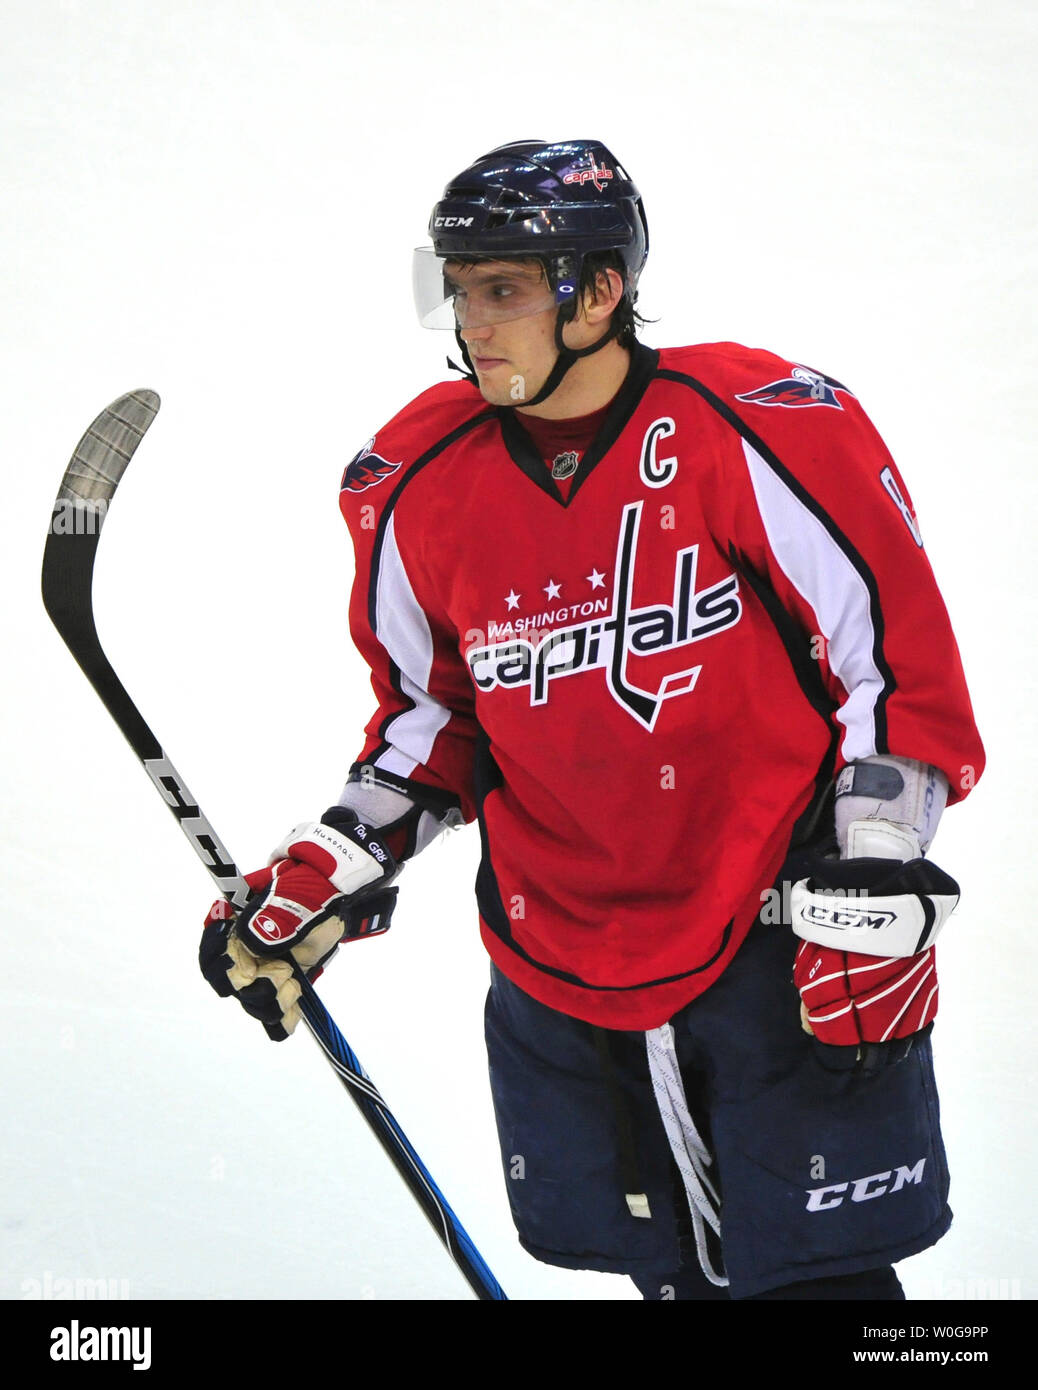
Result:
[[496, 392], [510, 387]]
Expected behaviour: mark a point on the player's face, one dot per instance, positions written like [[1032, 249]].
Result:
[[506, 315]]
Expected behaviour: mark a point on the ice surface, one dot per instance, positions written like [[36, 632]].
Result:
[[220, 202]]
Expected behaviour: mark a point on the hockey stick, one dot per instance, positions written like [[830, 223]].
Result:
[[82, 503]]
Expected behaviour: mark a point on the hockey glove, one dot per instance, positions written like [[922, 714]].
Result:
[[325, 883], [866, 969]]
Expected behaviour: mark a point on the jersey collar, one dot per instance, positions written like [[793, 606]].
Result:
[[527, 457]]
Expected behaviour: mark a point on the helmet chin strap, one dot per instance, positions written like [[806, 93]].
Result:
[[470, 375], [567, 356], [563, 361]]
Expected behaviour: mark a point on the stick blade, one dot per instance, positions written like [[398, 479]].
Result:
[[80, 508], [106, 448]]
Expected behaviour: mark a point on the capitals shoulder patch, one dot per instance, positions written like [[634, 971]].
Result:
[[366, 469], [803, 387]]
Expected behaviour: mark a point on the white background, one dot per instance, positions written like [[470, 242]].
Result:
[[218, 200]]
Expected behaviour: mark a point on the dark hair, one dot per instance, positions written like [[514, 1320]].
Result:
[[625, 316]]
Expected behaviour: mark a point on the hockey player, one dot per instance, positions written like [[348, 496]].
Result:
[[662, 622]]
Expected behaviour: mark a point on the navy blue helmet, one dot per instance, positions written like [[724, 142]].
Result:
[[529, 198], [556, 202], [532, 198]]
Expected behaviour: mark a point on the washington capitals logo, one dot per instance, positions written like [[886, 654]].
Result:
[[597, 174], [616, 642], [802, 387], [366, 469]]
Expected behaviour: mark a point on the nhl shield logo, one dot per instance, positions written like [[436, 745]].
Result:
[[366, 469], [564, 465]]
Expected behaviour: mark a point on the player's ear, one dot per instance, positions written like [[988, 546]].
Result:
[[607, 293]]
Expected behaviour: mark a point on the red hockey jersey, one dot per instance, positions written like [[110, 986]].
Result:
[[642, 689]]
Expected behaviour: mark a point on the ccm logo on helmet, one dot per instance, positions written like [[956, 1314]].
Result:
[[452, 221]]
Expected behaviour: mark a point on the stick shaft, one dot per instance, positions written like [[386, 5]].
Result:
[[87, 488]]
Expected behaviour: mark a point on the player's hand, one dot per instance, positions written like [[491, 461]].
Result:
[[866, 969], [326, 882], [866, 1011]]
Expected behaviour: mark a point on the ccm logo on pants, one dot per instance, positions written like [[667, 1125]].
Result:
[[863, 1189]]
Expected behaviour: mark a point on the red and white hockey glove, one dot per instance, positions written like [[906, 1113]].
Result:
[[849, 1000], [866, 968], [325, 883]]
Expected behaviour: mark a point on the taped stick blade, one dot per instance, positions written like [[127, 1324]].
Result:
[[88, 485], [106, 448]]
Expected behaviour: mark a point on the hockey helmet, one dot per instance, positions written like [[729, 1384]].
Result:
[[529, 199]]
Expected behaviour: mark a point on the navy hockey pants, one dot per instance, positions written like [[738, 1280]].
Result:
[[816, 1170]]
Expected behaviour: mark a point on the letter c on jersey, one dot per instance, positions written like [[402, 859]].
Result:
[[657, 472]]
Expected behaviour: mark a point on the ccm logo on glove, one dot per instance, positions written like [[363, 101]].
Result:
[[874, 906], [866, 969], [843, 916]]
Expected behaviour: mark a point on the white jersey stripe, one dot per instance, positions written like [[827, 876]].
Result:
[[827, 580], [403, 629]]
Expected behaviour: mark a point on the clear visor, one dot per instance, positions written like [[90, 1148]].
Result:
[[451, 294]]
